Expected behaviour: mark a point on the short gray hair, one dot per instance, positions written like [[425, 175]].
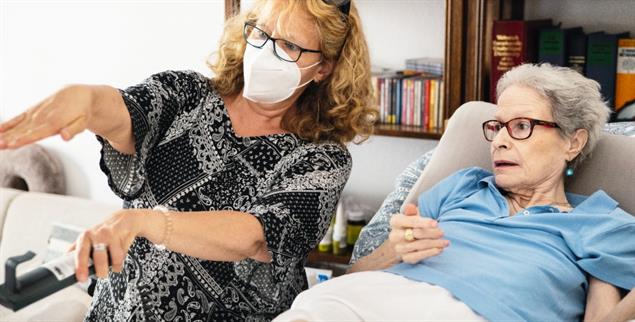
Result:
[[576, 101]]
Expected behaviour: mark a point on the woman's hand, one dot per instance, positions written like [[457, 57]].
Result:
[[66, 113], [70, 111], [414, 237], [109, 243]]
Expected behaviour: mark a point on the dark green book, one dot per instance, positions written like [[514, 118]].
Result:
[[602, 62], [552, 44], [576, 51]]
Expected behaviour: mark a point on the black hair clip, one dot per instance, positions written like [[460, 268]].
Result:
[[343, 5]]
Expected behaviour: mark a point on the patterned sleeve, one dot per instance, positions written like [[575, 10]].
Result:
[[621, 128], [377, 230], [153, 106], [302, 196]]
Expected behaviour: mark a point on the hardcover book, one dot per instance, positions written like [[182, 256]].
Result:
[[625, 77], [552, 44], [602, 62], [576, 51], [513, 42]]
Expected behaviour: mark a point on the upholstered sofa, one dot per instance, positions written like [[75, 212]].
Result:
[[26, 222]]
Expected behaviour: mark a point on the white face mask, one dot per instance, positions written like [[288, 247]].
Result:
[[269, 79]]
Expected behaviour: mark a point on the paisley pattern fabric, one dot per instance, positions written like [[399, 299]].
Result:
[[378, 228], [188, 158]]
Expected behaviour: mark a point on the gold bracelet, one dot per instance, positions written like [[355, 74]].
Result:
[[168, 227]]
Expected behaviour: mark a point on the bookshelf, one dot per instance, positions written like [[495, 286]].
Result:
[[406, 131]]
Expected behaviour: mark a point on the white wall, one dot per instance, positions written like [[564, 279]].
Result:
[[46, 45]]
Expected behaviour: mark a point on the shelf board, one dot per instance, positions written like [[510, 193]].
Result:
[[320, 257], [406, 131]]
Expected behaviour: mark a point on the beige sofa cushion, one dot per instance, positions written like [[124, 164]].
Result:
[[610, 168], [6, 197], [29, 221], [67, 305]]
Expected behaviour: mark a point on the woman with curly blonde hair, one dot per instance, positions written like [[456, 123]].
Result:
[[227, 182], [337, 104]]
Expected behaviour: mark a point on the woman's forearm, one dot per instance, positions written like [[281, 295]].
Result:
[[217, 235], [109, 117], [382, 257]]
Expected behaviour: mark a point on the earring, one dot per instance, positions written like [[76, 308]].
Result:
[[569, 171]]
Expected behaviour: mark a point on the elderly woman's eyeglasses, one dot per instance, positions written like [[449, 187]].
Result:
[[519, 128], [283, 49]]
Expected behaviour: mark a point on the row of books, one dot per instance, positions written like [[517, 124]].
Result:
[[410, 98], [604, 57]]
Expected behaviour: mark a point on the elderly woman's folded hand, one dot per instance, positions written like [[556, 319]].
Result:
[[415, 238]]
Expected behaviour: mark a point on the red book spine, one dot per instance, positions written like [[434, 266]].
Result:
[[513, 42], [426, 113]]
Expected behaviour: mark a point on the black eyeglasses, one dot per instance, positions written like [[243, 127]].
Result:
[[283, 49], [343, 5], [519, 128]]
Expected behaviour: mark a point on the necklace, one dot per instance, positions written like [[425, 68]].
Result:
[[515, 206]]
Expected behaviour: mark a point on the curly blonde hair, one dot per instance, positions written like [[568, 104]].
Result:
[[339, 108]]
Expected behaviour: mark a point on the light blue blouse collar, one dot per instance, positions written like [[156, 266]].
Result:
[[598, 202]]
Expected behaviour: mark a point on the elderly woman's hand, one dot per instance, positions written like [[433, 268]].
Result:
[[108, 242], [415, 238]]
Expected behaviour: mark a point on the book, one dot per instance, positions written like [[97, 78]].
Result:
[[625, 76], [513, 42], [552, 44], [602, 62], [576, 51]]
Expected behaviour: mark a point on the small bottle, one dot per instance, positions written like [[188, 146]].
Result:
[[354, 226], [339, 231], [326, 243], [40, 282]]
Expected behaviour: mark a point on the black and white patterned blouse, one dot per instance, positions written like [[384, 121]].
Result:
[[188, 158]]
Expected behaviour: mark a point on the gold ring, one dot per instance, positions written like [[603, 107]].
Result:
[[408, 234], [100, 247]]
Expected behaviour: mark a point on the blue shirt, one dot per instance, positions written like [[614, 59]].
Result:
[[531, 266]]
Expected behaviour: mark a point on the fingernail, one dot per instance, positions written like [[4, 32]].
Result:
[[434, 223], [446, 243]]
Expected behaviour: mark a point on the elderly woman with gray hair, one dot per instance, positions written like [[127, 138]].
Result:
[[508, 245]]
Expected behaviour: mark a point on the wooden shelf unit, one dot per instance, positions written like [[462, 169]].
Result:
[[316, 256], [406, 131]]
